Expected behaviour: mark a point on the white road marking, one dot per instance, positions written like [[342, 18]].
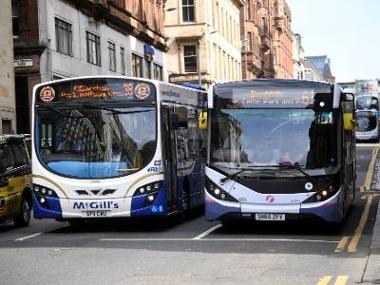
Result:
[[38, 234], [202, 235], [219, 239], [28, 237]]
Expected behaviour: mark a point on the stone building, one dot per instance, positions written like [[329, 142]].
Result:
[[267, 39], [7, 93], [311, 72], [66, 38], [298, 58], [203, 40], [282, 39], [322, 65]]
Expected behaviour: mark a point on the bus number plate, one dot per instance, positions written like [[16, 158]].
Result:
[[95, 214], [269, 217]]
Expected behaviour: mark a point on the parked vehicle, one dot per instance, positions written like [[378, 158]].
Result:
[[15, 180], [280, 149], [107, 147], [367, 115]]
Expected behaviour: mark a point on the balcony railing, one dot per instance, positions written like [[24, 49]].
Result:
[[279, 23], [253, 61]]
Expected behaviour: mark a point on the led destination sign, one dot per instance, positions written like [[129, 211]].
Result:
[[305, 98], [266, 98], [97, 89]]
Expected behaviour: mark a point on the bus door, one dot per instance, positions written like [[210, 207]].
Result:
[[348, 151], [169, 155]]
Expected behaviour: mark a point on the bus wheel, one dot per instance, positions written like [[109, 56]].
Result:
[[227, 223], [23, 219], [77, 223], [185, 201]]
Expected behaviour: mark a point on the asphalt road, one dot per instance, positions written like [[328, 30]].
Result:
[[196, 251]]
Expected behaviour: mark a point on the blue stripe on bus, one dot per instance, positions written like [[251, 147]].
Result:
[[40, 212], [159, 206]]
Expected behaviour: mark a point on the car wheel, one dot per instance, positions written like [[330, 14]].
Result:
[[23, 219]]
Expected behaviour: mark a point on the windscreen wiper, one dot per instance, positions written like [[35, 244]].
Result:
[[233, 175], [296, 166]]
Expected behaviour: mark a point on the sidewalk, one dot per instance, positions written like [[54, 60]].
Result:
[[372, 273]]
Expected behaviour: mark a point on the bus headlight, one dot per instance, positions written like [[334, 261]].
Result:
[[150, 191], [41, 193], [147, 189], [322, 194], [218, 193]]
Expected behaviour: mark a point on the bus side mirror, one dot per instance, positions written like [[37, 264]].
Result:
[[348, 122], [174, 122], [202, 120]]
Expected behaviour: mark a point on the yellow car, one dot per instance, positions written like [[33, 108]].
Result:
[[15, 180]]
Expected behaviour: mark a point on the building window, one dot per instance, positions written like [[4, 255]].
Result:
[[93, 49], [188, 11], [190, 58], [148, 72], [111, 57], [157, 70], [249, 14], [122, 60], [64, 37], [6, 126], [137, 66], [15, 18], [250, 41]]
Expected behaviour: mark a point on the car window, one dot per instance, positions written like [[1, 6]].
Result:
[[6, 158], [19, 153]]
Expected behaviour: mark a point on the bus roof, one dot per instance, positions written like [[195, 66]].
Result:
[[285, 83]]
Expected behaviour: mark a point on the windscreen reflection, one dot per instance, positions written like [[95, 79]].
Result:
[[97, 142], [267, 137]]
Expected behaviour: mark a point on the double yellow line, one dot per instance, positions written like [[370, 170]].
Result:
[[350, 243], [368, 178], [340, 280]]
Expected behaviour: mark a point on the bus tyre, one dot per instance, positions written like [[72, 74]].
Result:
[[23, 219], [77, 223], [229, 223]]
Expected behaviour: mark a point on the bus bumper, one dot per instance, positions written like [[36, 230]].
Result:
[[59, 208], [328, 210], [366, 136]]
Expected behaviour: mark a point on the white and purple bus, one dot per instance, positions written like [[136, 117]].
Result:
[[279, 150]]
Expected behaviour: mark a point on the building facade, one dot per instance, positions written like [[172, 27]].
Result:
[[203, 40], [311, 72], [298, 58], [66, 38], [7, 93], [323, 66], [267, 39], [282, 39]]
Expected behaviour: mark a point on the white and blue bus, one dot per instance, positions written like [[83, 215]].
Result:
[[279, 150], [367, 116], [108, 146]]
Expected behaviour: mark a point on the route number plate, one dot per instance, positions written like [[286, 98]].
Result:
[[95, 214], [269, 217]]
